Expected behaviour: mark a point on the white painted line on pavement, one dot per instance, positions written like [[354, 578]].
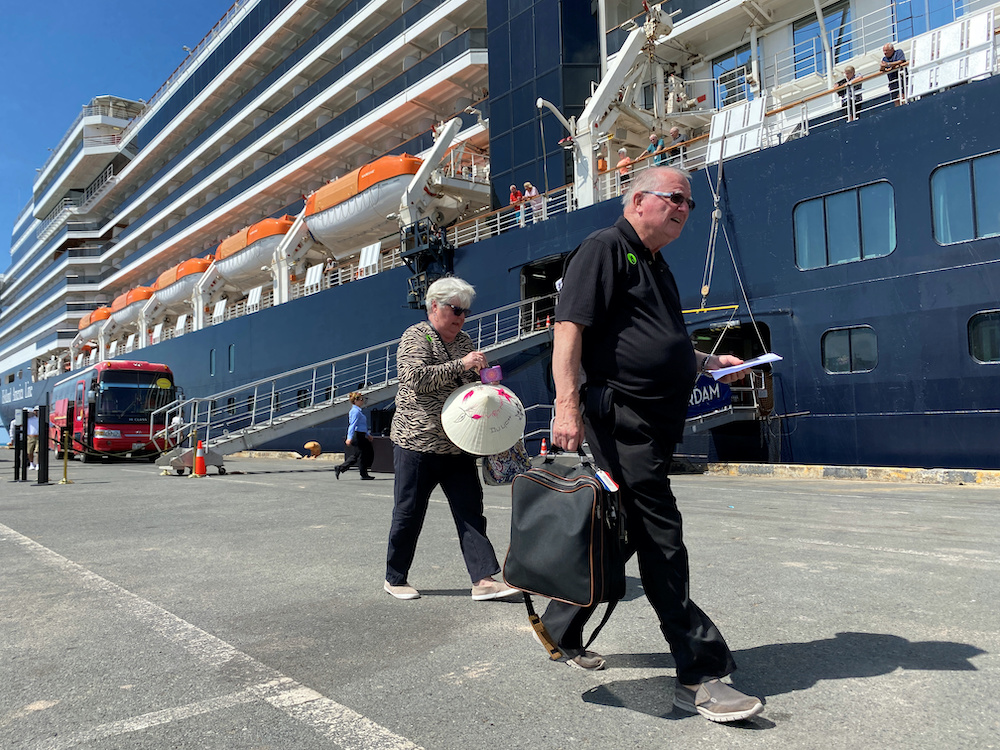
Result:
[[347, 728], [943, 557]]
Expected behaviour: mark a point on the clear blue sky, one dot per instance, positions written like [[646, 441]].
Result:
[[60, 54]]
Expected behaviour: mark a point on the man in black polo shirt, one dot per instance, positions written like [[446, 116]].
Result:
[[619, 316]]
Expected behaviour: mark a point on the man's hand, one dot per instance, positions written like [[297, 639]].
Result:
[[567, 348], [567, 429], [718, 361]]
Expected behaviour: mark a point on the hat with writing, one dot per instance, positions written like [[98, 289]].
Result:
[[483, 419]]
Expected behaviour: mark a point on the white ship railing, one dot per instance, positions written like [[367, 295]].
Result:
[[189, 61], [91, 110]]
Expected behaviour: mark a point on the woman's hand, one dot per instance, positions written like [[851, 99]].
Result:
[[474, 361]]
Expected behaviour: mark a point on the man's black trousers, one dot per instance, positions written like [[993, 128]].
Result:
[[626, 443]]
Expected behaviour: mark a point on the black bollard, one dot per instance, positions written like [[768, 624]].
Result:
[[16, 437], [43, 444], [23, 450]]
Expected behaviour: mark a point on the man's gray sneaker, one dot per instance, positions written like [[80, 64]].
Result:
[[717, 701], [588, 660]]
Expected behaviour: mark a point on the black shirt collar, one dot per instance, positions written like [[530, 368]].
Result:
[[628, 231]]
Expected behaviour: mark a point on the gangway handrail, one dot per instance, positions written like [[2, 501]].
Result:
[[318, 392]]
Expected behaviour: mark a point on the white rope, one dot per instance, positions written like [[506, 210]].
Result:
[[710, 258]]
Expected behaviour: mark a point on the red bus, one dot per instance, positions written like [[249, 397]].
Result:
[[106, 409]]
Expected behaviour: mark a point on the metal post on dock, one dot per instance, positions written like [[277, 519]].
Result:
[[15, 435], [22, 451], [66, 443], [43, 445]]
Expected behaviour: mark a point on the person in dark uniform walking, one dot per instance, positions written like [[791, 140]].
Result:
[[359, 447], [619, 316]]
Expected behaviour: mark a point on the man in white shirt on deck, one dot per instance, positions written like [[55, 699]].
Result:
[[32, 437]]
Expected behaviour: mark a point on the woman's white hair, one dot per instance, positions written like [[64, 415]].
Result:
[[445, 290]]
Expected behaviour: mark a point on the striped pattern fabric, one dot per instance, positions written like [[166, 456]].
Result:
[[429, 370]]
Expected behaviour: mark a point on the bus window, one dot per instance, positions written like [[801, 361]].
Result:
[[131, 395]]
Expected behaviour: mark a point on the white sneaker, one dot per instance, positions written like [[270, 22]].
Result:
[[403, 591]]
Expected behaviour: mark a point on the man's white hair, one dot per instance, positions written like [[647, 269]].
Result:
[[648, 179]]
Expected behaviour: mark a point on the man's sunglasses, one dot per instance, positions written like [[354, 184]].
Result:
[[459, 311], [675, 198]]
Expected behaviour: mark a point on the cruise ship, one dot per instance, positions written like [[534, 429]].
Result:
[[290, 190]]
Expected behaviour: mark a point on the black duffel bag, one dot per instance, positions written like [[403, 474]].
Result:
[[567, 535]]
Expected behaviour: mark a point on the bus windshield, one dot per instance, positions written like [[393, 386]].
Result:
[[131, 395]]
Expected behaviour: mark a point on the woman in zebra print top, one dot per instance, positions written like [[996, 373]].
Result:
[[434, 358]]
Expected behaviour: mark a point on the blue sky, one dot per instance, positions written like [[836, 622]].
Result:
[[60, 54]]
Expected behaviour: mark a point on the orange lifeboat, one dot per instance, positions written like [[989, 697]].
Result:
[[176, 284], [90, 324], [242, 255], [352, 210], [126, 306]]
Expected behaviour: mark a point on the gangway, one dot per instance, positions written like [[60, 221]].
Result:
[[253, 414]]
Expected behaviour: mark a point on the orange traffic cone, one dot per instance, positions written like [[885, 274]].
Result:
[[199, 462], [545, 448], [547, 318]]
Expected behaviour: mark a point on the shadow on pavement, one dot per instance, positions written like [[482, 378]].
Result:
[[787, 667]]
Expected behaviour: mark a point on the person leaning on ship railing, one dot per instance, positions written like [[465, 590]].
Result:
[[892, 65], [619, 319]]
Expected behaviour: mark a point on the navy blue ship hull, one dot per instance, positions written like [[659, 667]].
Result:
[[927, 403]]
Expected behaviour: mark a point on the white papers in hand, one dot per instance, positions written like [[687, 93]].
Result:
[[761, 360]]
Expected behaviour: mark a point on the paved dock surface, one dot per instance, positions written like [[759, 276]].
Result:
[[247, 611]]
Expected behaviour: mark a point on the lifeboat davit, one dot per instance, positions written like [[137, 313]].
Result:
[[352, 210], [242, 255], [91, 323], [176, 284], [126, 307]]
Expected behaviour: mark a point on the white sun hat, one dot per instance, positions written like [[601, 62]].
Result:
[[483, 419]]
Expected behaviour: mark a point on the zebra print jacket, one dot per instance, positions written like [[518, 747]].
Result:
[[429, 370]]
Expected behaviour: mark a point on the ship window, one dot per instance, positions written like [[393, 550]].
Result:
[[232, 357], [302, 397], [250, 404], [966, 200], [211, 362], [844, 227], [809, 56], [231, 405], [729, 72], [849, 350], [984, 336]]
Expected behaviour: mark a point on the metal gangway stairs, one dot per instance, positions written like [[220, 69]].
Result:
[[250, 415]]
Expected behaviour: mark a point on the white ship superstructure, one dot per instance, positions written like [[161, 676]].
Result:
[[280, 98]]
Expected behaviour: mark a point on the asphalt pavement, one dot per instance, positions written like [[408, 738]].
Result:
[[247, 611]]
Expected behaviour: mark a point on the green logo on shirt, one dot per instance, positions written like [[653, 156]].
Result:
[[631, 258]]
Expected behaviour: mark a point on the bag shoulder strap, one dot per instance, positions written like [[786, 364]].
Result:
[[545, 637]]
